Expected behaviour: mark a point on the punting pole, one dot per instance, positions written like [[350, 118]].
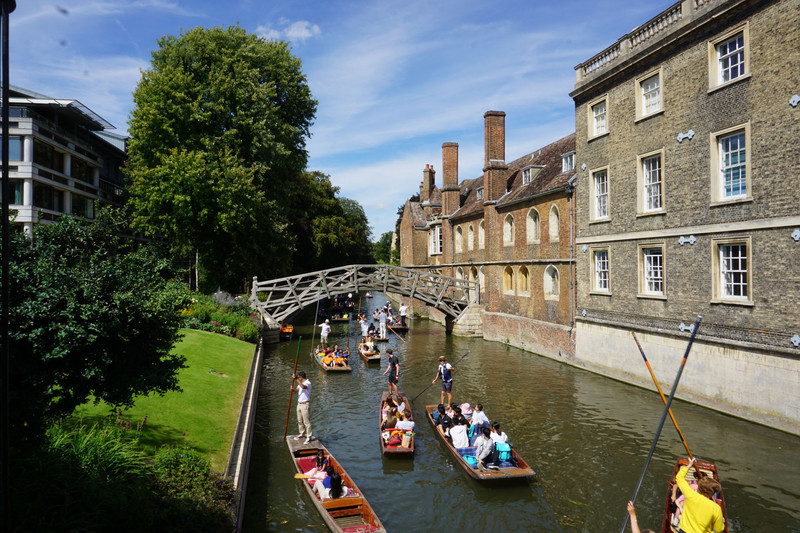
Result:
[[316, 317], [393, 331], [664, 415], [291, 392], [429, 386], [663, 398]]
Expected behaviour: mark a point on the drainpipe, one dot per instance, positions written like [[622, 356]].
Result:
[[570, 189]]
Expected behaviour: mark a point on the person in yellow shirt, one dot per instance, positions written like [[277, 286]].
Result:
[[701, 514]]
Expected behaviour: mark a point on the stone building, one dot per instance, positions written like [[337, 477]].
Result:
[[688, 203], [61, 159], [511, 230]]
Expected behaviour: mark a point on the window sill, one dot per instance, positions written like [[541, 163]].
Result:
[[652, 297], [552, 298], [649, 115], [741, 303], [651, 213], [537, 241], [745, 200], [728, 83], [590, 139], [600, 293], [600, 220]]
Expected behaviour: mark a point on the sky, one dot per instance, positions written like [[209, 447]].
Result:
[[393, 80]]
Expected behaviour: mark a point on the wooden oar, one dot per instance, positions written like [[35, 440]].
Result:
[[664, 416], [301, 476], [663, 398], [291, 392], [393, 331], [429, 386]]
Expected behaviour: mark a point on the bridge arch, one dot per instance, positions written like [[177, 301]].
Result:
[[278, 299]]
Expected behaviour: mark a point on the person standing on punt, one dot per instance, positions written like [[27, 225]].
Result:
[[303, 400], [324, 332], [445, 373], [382, 320], [701, 514], [403, 313], [394, 372]]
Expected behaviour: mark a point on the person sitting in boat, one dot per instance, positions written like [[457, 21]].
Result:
[[390, 420], [406, 423], [371, 330], [331, 487], [443, 422], [450, 410], [339, 360], [321, 463], [466, 410], [497, 434], [701, 514], [479, 420], [484, 446], [327, 359], [458, 417], [459, 436], [388, 404], [677, 501]]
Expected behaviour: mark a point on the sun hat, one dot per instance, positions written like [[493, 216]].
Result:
[[466, 409], [327, 321]]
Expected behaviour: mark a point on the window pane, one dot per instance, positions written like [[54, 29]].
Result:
[[653, 271], [733, 159], [733, 270], [601, 194], [730, 56], [601, 270], [599, 112], [651, 168], [651, 95]]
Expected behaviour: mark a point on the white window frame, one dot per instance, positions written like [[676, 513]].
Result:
[[527, 174], [652, 273], [719, 166], [568, 162], [644, 97], [600, 276], [459, 240], [595, 214], [727, 276], [717, 60], [508, 230], [435, 240], [479, 194], [645, 183], [533, 226], [597, 121]]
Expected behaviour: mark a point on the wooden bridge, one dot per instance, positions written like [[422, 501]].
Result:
[[278, 299]]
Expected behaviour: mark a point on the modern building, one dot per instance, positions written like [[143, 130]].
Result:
[[62, 159], [511, 230], [688, 203]]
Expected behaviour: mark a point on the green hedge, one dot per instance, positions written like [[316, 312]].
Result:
[[224, 315]]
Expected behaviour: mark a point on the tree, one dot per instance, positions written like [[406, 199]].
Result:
[[217, 139], [381, 249], [92, 314]]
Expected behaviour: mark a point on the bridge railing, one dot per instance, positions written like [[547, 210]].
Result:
[[278, 299]]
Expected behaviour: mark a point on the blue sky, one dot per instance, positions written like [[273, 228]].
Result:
[[394, 80]]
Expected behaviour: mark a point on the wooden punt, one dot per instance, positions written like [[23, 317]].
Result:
[[369, 354], [349, 514], [340, 319], [507, 469], [397, 328], [706, 468], [327, 368], [286, 333], [379, 339], [395, 450]]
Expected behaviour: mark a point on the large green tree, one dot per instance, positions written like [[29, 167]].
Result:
[[217, 139], [382, 248], [92, 314]]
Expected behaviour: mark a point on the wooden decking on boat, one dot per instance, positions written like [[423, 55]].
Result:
[[395, 450], [349, 514], [327, 368], [705, 468], [507, 469], [286, 333], [368, 353]]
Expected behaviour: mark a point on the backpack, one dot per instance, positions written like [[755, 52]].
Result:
[[504, 451]]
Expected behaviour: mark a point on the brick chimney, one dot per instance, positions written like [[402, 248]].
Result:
[[428, 181], [450, 191], [494, 170]]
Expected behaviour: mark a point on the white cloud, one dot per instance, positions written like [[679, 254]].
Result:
[[298, 31]]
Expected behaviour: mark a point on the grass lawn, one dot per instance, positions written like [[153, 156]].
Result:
[[204, 415]]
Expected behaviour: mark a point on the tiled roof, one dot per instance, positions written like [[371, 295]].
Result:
[[549, 177]]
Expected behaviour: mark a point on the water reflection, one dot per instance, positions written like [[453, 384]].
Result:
[[586, 436]]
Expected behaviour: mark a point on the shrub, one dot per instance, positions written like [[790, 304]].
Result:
[[223, 314]]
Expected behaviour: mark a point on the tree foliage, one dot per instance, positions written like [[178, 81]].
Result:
[[92, 314], [382, 248], [217, 140]]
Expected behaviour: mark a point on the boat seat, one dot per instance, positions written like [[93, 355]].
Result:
[[343, 504]]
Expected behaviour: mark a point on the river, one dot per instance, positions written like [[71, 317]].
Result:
[[586, 436]]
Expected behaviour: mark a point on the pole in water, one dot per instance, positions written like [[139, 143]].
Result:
[[664, 416], [429, 386], [291, 392]]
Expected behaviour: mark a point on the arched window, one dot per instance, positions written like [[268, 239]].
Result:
[[473, 274], [481, 235], [470, 238], [460, 273], [555, 225], [508, 279], [481, 279], [459, 240], [551, 282], [532, 226], [508, 230], [524, 281]]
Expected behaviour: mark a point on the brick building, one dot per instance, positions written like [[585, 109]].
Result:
[[688, 203], [511, 230], [62, 159]]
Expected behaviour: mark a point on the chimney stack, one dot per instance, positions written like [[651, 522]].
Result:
[[450, 190], [494, 170], [428, 181]]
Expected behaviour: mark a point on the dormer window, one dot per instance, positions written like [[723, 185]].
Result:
[[568, 162], [479, 193], [526, 175]]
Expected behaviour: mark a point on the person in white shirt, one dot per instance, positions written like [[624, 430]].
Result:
[[479, 418], [484, 446], [303, 400], [459, 435], [326, 329], [406, 423], [403, 313], [362, 321], [382, 321], [497, 435]]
